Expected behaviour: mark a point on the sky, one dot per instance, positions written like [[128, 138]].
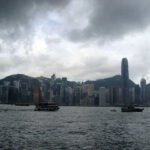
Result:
[[78, 39]]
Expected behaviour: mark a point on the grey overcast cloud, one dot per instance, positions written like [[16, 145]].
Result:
[[79, 39]]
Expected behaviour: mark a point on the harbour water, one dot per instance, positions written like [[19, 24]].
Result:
[[73, 128]]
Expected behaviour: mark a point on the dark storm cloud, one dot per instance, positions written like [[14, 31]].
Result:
[[17, 16], [14, 12], [111, 19]]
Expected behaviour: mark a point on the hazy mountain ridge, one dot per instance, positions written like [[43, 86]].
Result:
[[22, 78], [114, 81]]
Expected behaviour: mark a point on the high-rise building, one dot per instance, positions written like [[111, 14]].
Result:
[[102, 96], [125, 81], [137, 95], [132, 95], [143, 91], [36, 95], [148, 94], [77, 95], [117, 96]]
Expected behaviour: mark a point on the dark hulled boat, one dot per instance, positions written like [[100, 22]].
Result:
[[22, 104], [46, 107], [131, 109]]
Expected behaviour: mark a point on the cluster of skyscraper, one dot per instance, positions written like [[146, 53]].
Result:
[[12, 92], [87, 95], [126, 97], [68, 93]]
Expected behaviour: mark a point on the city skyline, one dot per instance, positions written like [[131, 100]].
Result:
[[71, 38], [116, 91]]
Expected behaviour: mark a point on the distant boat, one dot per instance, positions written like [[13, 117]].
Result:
[[113, 110], [131, 109], [22, 104], [46, 107], [43, 106]]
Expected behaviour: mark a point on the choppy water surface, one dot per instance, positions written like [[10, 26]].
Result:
[[73, 128]]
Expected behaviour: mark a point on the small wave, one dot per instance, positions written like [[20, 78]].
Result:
[[77, 132]]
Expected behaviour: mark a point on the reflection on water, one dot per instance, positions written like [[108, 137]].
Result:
[[73, 128]]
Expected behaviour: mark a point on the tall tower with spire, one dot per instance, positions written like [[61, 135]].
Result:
[[125, 81]]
